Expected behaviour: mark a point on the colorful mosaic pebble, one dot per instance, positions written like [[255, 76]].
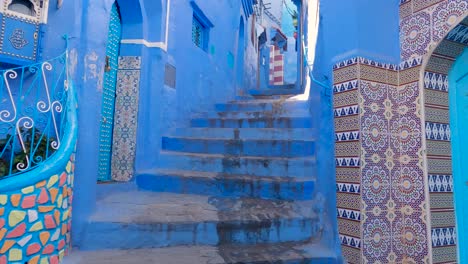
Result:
[[35, 224]]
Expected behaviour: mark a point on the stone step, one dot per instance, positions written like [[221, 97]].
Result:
[[259, 105], [266, 122], [257, 166], [133, 220], [226, 185], [237, 147], [254, 114], [284, 253], [291, 91], [247, 133]]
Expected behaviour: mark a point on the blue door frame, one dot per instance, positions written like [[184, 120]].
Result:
[[458, 98], [108, 95]]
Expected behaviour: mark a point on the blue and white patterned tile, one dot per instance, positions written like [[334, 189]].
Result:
[[129, 63], [352, 162], [442, 237], [345, 63], [459, 34], [348, 187], [350, 241], [436, 81], [346, 86], [347, 136], [437, 131], [346, 111], [349, 214], [440, 183], [410, 63]]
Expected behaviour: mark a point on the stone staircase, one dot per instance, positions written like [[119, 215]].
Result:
[[237, 186]]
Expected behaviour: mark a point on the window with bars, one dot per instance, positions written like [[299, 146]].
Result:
[[199, 34], [201, 26]]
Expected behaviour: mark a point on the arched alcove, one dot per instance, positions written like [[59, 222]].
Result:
[[24, 7], [443, 152]]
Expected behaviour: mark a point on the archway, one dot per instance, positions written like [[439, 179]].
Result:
[[444, 102]]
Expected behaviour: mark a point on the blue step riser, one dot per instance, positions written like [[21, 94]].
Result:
[[107, 235], [238, 147], [253, 123], [227, 187], [246, 133], [251, 114], [232, 165], [290, 107]]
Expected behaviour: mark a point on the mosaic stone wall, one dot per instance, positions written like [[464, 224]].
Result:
[[382, 209], [126, 119], [35, 221]]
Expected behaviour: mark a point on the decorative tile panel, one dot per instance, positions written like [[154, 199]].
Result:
[[126, 118], [437, 131], [440, 183], [436, 81]]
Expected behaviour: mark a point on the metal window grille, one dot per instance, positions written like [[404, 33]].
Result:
[[198, 33]]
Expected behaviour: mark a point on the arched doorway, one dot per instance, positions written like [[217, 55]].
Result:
[[240, 56], [109, 94], [445, 102]]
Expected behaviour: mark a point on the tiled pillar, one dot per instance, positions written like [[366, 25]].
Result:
[[382, 205], [276, 66]]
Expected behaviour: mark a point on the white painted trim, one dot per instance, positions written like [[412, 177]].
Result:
[[160, 45]]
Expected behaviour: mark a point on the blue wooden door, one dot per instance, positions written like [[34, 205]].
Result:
[[459, 128], [108, 96]]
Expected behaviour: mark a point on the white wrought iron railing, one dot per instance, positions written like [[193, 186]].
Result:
[[33, 103]]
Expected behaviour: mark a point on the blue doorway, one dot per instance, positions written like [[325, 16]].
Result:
[[458, 99], [240, 56], [109, 94]]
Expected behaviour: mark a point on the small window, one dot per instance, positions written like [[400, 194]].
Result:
[[199, 34], [201, 26], [23, 7]]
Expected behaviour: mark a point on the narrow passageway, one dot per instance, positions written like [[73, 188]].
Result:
[[237, 186]]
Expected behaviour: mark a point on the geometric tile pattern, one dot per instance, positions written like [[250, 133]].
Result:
[[373, 183], [35, 221], [126, 118], [425, 25], [435, 131], [442, 237]]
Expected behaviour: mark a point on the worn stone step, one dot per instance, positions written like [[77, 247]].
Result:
[[132, 220], [254, 114], [237, 147], [227, 185], [289, 91], [259, 105], [282, 253], [266, 122], [247, 133], [257, 166]]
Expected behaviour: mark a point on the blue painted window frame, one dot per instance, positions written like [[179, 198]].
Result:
[[201, 20]]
